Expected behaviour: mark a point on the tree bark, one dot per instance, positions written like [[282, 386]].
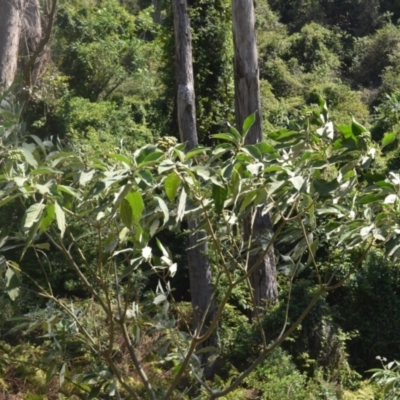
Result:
[[200, 273], [33, 36], [10, 32], [247, 101]]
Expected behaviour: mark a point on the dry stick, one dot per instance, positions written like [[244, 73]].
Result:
[[128, 342], [311, 252], [78, 271], [271, 242], [282, 338], [117, 373], [288, 301], [253, 300], [221, 307], [43, 270], [265, 352], [103, 285], [136, 362]]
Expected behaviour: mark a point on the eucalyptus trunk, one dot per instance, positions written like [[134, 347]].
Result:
[[200, 273], [247, 101], [10, 32], [33, 33]]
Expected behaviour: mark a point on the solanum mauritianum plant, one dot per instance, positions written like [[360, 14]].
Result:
[[313, 177]]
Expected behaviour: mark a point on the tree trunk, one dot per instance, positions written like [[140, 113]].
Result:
[[247, 101], [33, 36], [10, 31], [200, 273]]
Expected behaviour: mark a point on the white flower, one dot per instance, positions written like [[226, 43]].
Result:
[[146, 253]]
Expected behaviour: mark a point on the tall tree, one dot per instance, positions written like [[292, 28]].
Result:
[[10, 31], [200, 272], [247, 101]]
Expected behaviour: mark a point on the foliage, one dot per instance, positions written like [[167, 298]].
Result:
[[124, 201], [389, 378], [369, 305]]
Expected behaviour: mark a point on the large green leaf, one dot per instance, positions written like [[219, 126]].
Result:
[[387, 139], [248, 123], [32, 215], [225, 136], [357, 128], [171, 185], [48, 217], [135, 200], [219, 195]]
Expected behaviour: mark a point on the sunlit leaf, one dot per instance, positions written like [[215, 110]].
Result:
[[60, 217], [135, 200]]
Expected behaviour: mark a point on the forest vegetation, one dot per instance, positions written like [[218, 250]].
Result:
[[200, 199]]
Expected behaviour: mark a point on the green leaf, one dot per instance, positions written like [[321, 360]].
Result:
[[163, 249], [68, 190], [29, 158], [154, 156], [134, 264], [219, 195], [357, 128], [199, 150], [325, 188], [121, 158], [233, 132], [146, 176], [164, 209], [249, 198], [298, 182], [248, 123], [44, 170], [283, 135], [62, 374], [387, 139], [265, 148], [370, 198], [252, 150], [125, 212], [171, 185], [48, 217], [12, 284], [224, 136], [43, 246], [51, 372], [165, 165], [32, 215], [86, 176], [203, 172], [94, 392], [135, 200], [160, 299], [60, 216]]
